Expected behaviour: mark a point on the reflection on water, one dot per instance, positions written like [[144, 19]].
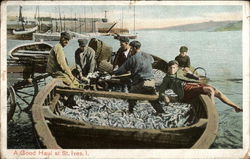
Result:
[[218, 52]]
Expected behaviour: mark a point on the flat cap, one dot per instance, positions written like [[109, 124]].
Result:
[[173, 62], [135, 44], [124, 39], [183, 49], [83, 42], [65, 35]]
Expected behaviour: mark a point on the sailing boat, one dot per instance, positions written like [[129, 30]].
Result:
[[50, 35], [23, 33], [128, 35]]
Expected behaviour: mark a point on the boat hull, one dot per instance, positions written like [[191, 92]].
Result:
[[55, 131], [46, 36], [24, 34]]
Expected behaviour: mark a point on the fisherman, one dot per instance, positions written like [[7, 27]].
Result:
[[122, 54], [189, 89], [140, 66], [57, 64], [85, 60]]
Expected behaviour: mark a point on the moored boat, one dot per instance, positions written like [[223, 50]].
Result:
[[48, 36], [26, 57], [25, 34]]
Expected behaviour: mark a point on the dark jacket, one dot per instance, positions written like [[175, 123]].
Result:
[[120, 58], [140, 66], [175, 82], [183, 61]]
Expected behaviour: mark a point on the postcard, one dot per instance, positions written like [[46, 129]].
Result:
[[125, 79]]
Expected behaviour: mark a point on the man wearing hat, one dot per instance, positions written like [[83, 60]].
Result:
[[188, 89], [140, 66], [85, 59], [57, 64], [122, 53]]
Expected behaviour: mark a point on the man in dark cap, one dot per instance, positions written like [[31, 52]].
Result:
[[122, 53], [85, 59], [140, 66], [57, 64], [188, 89]]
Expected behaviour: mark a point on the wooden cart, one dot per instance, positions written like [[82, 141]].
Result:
[[26, 68]]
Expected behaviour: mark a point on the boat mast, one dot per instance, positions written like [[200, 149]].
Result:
[[134, 18], [75, 22], [85, 22], [80, 22], [60, 19], [122, 19], [64, 23], [21, 17], [39, 22], [51, 22], [92, 20]]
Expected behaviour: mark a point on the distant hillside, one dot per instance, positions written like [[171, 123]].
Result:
[[231, 27], [209, 26]]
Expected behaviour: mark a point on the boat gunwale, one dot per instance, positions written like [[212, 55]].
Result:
[[13, 50]]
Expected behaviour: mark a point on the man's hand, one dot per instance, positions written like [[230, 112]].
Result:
[[84, 80], [115, 68]]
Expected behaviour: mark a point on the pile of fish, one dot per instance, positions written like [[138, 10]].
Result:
[[113, 112], [158, 76]]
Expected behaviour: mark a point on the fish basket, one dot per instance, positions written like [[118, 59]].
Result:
[[105, 66]]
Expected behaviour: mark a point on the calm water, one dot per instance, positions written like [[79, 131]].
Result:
[[220, 53]]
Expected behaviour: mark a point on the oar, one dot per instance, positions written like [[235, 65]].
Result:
[[106, 94]]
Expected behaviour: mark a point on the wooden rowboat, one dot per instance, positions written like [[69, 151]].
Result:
[[55, 131], [35, 49], [31, 57]]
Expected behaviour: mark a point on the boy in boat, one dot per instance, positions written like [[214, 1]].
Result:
[[189, 89], [140, 66], [84, 59], [184, 62], [122, 54], [57, 64], [183, 58]]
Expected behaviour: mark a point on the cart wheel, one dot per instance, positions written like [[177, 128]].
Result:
[[11, 103], [35, 91], [25, 94]]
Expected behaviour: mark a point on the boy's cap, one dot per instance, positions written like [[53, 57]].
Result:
[[173, 62], [183, 49]]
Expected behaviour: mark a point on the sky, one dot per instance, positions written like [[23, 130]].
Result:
[[146, 16]]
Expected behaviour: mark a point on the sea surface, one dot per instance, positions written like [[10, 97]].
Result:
[[219, 53]]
